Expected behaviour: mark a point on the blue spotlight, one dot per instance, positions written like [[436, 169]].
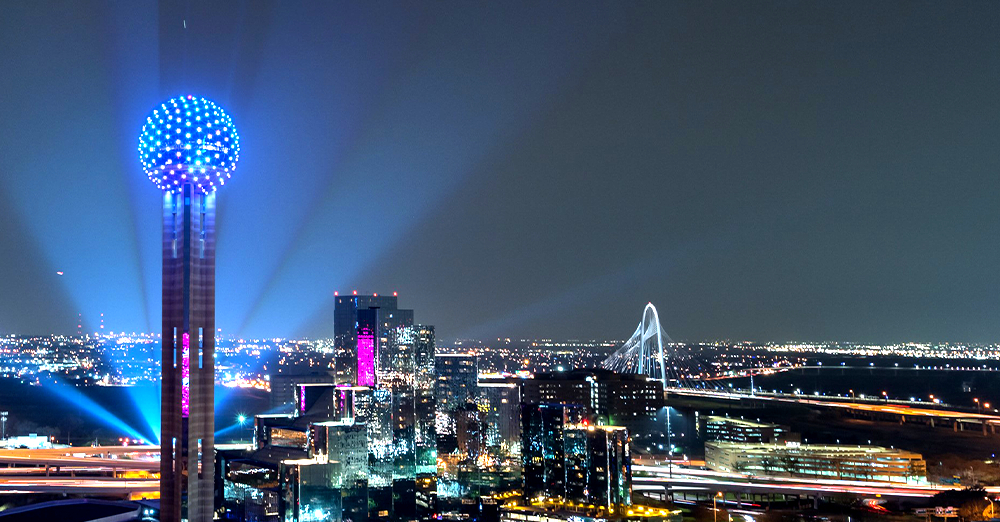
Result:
[[147, 403], [71, 394]]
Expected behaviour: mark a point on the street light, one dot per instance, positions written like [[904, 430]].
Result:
[[992, 513], [715, 507], [242, 420]]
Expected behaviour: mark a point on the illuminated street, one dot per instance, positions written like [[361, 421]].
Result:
[[656, 478]]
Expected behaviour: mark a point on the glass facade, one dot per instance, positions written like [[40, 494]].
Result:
[[542, 452], [380, 349], [457, 380], [569, 460], [726, 429], [320, 473], [864, 463], [345, 329], [598, 466], [338, 489], [500, 403], [425, 437]]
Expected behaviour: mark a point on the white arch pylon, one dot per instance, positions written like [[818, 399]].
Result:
[[637, 354]]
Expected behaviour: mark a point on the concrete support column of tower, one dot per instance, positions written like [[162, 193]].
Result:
[[188, 148]]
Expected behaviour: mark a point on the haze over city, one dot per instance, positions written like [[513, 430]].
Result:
[[760, 170], [616, 261]]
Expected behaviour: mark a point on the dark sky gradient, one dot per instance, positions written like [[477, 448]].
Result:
[[758, 170]]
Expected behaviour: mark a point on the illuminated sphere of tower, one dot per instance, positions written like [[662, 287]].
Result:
[[188, 139]]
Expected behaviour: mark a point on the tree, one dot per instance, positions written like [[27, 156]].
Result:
[[975, 509], [971, 502]]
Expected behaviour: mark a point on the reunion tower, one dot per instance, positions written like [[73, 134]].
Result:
[[188, 148]]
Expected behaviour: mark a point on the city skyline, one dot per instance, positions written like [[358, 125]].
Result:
[[413, 302], [568, 172]]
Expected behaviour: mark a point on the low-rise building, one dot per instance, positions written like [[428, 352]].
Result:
[[729, 429], [616, 398], [830, 461]]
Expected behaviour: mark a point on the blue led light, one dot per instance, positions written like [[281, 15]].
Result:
[[217, 138]]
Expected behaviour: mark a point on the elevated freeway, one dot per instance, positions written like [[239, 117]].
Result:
[[702, 484], [108, 471], [886, 410]]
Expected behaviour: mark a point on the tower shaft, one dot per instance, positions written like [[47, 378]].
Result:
[[187, 441]]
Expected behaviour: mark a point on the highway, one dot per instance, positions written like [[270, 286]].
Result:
[[888, 408], [92, 458], [53, 471], [126, 488], [694, 480]]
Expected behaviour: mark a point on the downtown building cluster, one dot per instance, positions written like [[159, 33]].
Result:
[[357, 443], [398, 432]]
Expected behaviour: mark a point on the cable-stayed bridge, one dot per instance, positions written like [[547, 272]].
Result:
[[686, 373], [652, 353]]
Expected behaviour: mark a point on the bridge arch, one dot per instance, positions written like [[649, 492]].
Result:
[[644, 353]]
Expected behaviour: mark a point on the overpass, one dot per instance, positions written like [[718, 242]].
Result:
[[651, 352], [700, 484], [105, 487], [889, 411], [95, 471]]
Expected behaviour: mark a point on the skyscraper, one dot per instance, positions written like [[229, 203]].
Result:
[[598, 466], [367, 343], [188, 147], [423, 382], [542, 451], [348, 325], [615, 398], [500, 401], [391, 361], [457, 379], [425, 434]]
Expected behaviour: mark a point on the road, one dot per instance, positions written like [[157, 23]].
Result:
[[52, 471], [888, 408], [655, 478], [126, 488], [104, 458]]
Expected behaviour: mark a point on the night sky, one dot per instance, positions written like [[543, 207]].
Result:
[[757, 170]]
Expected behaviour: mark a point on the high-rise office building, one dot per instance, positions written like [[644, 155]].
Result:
[[347, 328], [307, 465], [500, 402], [424, 410], [470, 431], [381, 350], [569, 459], [598, 466], [615, 398], [456, 376], [457, 379], [339, 488], [367, 346], [542, 451], [188, 148]]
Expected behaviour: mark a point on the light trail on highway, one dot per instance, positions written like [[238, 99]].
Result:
[[890, 408], [709, 480]]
